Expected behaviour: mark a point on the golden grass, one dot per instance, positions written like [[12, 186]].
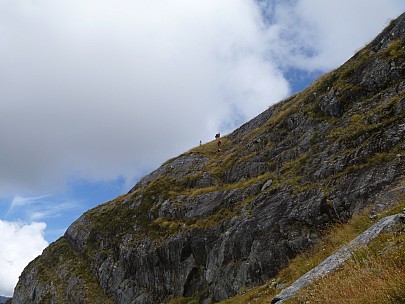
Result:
[[373, 275]]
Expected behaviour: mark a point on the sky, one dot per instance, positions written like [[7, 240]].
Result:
[[97, 93]]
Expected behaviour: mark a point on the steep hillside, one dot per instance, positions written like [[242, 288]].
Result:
[[207, 225]]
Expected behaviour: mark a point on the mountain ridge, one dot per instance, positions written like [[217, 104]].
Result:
[[207, 225]]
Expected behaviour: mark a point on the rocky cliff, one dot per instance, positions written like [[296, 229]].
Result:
[[207, 225]]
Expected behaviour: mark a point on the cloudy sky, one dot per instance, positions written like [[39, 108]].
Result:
[[97, 93]]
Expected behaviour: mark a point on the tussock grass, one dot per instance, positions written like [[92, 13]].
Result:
[[395, 49], [374, 275], [380, 266]]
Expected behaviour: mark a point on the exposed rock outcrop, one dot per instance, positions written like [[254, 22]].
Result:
[[339, 257], [206, 225]]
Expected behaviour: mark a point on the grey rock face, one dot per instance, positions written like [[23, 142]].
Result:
[[203, 205], [330, 105], [385, 200], [396, 30], [246, 170], [175, 168]]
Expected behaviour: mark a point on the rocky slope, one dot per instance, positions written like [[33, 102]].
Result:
[[207, 225]]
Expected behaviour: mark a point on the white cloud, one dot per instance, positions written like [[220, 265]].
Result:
[[40, 208], [20, 243], [318, 34], [100, 89], [107, 88], [19, 201]]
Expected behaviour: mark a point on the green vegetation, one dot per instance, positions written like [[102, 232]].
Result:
[[395, 50], [65, 268]]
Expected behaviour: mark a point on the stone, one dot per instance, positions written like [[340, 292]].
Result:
[[330, 104], [267, 185]]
